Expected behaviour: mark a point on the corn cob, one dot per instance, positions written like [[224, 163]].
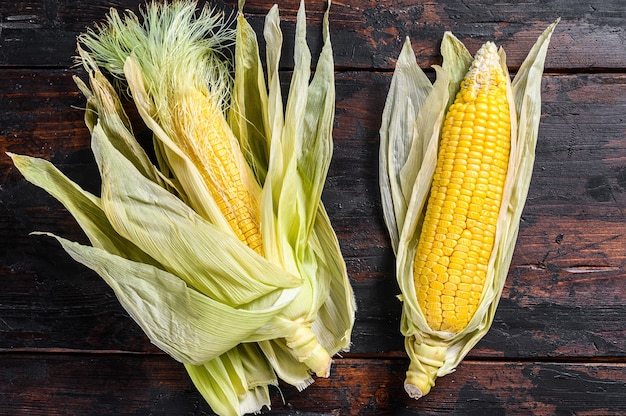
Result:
[[456, 159], [204, 135], [457, 238]]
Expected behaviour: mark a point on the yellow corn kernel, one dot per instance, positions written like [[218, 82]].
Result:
[[473, 155], [204, 135]]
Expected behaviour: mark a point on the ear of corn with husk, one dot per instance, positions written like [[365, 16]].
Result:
[[221, 250], [427, 171]]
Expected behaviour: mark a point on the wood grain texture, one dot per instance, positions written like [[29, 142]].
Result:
[[558, 343], [367, 34], [157, 385]]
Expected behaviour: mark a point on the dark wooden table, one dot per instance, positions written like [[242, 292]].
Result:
[[558, 342]]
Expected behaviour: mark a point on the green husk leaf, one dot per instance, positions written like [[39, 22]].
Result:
[[408, 90], [105, 107], [315, 147], [423, 153], [300, 155], [236, 382], [212, 261], [273, 48], [456, 62], [85, 207], [285, 218], [248, 117], [335, 317], [288, 368], [173, 315]]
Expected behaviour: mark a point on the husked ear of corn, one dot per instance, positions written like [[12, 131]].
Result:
[[205, 136], [456, 160], [203, 244], [458, 232]]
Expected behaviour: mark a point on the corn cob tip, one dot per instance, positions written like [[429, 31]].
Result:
[[484, 73]]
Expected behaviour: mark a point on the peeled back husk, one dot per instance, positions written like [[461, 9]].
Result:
[[411, 124], [238, 320]]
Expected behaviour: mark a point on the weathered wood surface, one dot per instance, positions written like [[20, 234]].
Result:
[[558, 343], [367, 34], [152, 384]]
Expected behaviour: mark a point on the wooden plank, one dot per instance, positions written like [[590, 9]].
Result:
[[366, 35], [61, 384], [568, 263]]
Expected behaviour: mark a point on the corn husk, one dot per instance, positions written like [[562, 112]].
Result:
[[411, 124], [237, 320]]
